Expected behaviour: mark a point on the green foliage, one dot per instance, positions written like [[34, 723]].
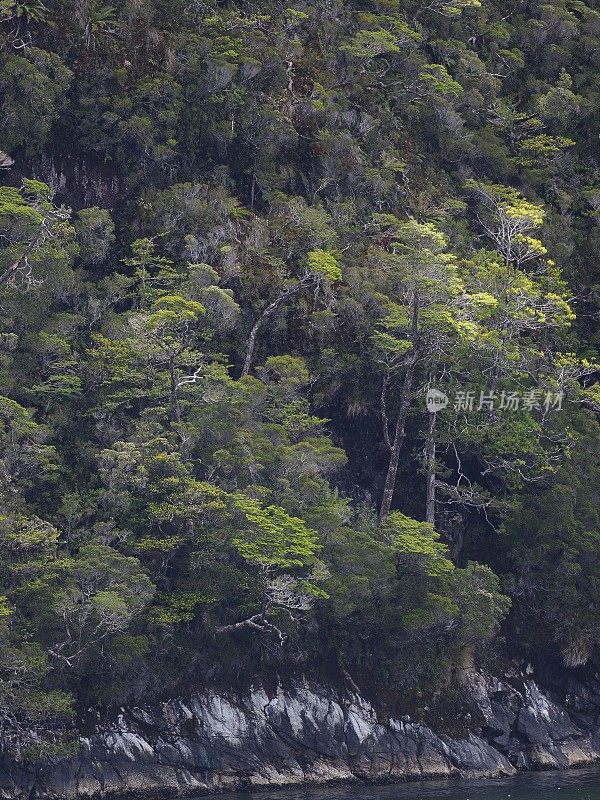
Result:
[[323, 263], [458, 6], [273, 537], [34, 84], [370, 44], [542, 149], [33, 10], [482, 606], [418, 541], [553, 537], [37, 239], [316, 214], [437, 78], [95, 231], [5, 610]]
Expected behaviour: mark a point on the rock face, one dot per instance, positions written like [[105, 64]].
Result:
[[307, 733], [534, 731]]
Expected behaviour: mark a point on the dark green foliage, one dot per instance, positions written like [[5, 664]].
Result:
[[256, 235], [554, 539]]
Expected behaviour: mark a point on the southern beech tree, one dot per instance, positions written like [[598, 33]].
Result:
[[429, 311], [37, 235], [238, 244]]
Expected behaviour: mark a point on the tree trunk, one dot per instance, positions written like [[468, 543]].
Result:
[[252, 344], [269, 310], [175, 410], [390, 478], [430, 459], [405, 399], [16, 265], [384, 415]]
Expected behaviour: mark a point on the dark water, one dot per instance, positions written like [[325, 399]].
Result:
[[573, 785]]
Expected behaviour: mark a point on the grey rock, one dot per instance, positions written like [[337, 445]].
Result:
[[213, 741], [530, 727], [541, 721]]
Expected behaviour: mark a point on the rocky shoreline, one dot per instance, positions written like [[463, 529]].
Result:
[[307, 733]]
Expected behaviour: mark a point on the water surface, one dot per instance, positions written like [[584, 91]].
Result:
[[572, 785]]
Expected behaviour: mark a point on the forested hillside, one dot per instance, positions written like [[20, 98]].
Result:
[[239, 242]]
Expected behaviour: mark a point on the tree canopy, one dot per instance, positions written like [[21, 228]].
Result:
[[241, 245]]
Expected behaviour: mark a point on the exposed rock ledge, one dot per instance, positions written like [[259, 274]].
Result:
[[211, 742]]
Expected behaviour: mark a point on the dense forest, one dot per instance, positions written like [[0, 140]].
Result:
[[298, 346]]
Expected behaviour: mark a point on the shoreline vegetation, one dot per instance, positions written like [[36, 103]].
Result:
[[299, 332]]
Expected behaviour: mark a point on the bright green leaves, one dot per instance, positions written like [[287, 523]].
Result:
[[370, 44], [5, 609], [430, 612], [470, 595], [509, 201], [531, 297], [15, 211], [381, 35], [532, 308], [390, 340], [456, 7], [150, 360], [437, 79], [508, 219], [70, 606], [222, 310], [27, 539], [525, 302], [286, 371], [389, 344], [173, 309], [273, 537], [257, 516], [214, 527], [58, 377], [23, 451], [291, 175], [591, 396], [119, 371], [411, 234], [324, 264], [397, 317], [418, 541], [153, 274], [180, 606], [37, 241], [171, 320], [427, 276], [100, 592], [542, 149]]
